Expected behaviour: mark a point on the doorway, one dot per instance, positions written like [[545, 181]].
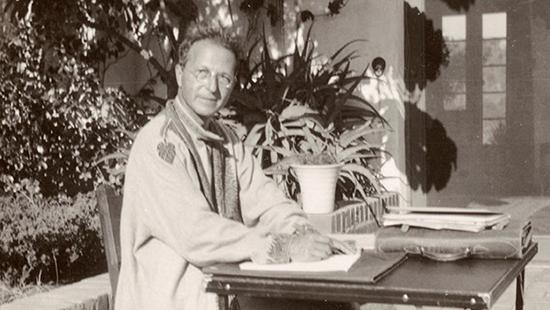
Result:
[[482, 101]]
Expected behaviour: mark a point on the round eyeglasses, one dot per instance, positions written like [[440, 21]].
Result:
[[203, 76]]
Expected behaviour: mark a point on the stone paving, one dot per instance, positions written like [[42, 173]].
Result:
[[89, 294]]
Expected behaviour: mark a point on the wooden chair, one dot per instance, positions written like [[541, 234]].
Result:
[[110, 205]]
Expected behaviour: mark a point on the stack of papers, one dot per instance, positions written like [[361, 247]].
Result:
[[463, 219]]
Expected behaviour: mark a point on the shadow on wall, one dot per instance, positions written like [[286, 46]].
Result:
[[431, 154], [432, 159], [422, 39]]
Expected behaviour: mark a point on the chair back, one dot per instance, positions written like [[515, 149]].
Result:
[[110, 206]]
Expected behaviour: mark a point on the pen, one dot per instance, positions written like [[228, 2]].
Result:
[[340, 247]]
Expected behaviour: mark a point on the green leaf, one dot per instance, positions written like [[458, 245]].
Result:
[[346, 174], [281, 167], [280, 150], [347, 153], [292, 133], [360, 156], [345, 46], [254, 135], [358, 169], [295, 111], [350, 136], [313, 143]]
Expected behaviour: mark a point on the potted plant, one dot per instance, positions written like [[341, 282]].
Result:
[[323, 164], [317, 185], [299, 109], [315, 166]]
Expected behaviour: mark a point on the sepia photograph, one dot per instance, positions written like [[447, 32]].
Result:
[[274, 154]]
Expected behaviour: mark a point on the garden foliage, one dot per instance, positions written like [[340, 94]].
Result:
[[56, 118], [46, 240], [104, 31]]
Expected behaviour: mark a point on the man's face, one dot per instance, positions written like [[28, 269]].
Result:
[[202, 81]]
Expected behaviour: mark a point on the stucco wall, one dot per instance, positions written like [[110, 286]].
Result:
[[380, 23], [541, 90]]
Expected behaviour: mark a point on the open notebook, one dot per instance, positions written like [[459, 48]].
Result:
[[333, 263], [368, 268], [463, 219]]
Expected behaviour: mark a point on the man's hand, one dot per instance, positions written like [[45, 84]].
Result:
[[309, 246], [342, 247], [304, 245]]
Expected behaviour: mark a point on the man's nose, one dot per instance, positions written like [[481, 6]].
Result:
[[212, 83]]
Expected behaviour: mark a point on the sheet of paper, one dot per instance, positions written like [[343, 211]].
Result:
[[473, 222], [333, 263], [441, 210]]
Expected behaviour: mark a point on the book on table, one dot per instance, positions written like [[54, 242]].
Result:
[[462, 219]]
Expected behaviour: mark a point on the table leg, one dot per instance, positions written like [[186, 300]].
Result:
[[520, 285], [223, 302]]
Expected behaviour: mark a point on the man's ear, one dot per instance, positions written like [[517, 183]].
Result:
[[179, 73]]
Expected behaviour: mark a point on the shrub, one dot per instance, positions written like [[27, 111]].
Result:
[[56, 118], [56, 239]]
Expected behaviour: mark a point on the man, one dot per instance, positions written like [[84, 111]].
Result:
[[194, 195]]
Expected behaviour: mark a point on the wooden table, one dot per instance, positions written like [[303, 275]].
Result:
[[468, 283]]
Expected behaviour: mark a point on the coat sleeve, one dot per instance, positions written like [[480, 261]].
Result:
[[262, 201], [173, 208]]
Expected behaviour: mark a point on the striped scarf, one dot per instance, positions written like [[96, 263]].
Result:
[[222, 193]]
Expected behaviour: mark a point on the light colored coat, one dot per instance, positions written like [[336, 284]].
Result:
[[168, 231]]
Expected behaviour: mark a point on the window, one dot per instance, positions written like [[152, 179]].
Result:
[[454, 33], [494, 78]]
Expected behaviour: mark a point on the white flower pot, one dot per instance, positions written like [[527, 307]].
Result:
[[317, 186]]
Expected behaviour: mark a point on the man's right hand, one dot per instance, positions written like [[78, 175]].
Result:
[[309, 246]]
